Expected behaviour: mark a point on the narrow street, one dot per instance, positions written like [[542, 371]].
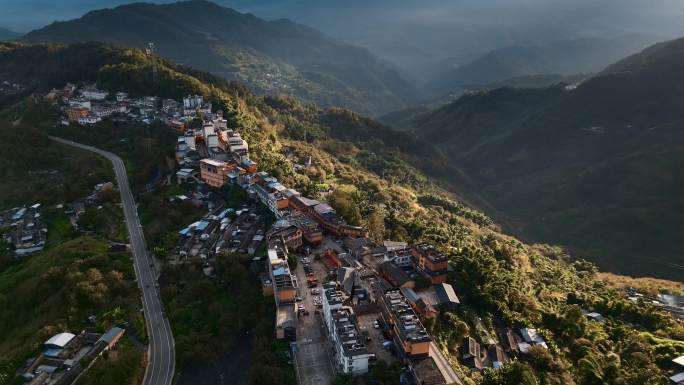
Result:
[[314, 366]]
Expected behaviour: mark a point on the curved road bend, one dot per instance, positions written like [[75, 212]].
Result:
[[161, 349]]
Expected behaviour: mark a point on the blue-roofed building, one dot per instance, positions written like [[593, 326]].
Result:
[[53, 353]]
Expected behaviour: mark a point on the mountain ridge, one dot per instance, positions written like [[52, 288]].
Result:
[[272, 57], [592, 168], [563, 57], [6, 34]]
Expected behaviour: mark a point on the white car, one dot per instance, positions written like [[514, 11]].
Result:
[[376, 325]]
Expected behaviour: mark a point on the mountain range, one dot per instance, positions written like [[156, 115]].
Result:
[[273, 57], [596, 168], [539, 65], [6, 34]]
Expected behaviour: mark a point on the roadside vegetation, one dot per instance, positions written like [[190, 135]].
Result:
[[36, 168], [58, 290]]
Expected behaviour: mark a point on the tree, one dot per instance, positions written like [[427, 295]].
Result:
[[513, 373], [345, 206], [376, 226]]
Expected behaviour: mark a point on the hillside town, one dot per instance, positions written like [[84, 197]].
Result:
[[371, 301], [342, 301], [88, 105], [23, 230]]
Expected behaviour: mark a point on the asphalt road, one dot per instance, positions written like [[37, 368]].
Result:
[[161, 349]]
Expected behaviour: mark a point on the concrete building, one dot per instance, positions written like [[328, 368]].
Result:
[[290, 236], [350, 352], [422, 372], [430, 263], [408, 334], [214, 172], [93, 93], [400, 257], [284, 283]]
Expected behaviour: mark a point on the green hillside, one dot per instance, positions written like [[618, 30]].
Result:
[[595, 168], [386, 180], [271, 57]]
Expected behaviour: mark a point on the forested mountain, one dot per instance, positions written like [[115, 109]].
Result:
[[568, 57], [273, 57], [597, 168]]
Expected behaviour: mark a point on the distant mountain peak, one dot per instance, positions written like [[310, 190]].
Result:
[[279, 57]]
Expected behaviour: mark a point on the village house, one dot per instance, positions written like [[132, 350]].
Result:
[[430, 263], [215, 173]]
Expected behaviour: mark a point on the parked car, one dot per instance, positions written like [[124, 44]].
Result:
[[376, 324]]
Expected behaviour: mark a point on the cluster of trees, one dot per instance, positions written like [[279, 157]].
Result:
[[209, 314], [29, 162], [58, 290]]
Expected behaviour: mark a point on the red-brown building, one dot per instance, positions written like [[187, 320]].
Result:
[[430, 263], [326, 217], [215, 172], [73, 114]]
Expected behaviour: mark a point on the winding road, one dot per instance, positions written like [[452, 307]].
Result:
[[161, 349]]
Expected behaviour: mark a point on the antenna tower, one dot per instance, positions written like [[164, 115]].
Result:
[[150, 53]]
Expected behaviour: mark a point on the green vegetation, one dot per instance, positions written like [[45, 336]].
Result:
[[33, 166], [147, 150], [595, 169], [379, 374], [57, 290], [123, 365], [162, 220], [209, 314]]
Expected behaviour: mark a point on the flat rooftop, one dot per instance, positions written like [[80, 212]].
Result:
[[407, 322], [348, 333]]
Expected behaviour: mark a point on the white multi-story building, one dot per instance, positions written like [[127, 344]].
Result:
[[192, 101], [90, 119], [399, 257], [351, 354], [93, 93]]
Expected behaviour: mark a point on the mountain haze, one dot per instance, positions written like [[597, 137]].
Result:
[[6, 34], [274, 57], [563, 58], [597, 168]]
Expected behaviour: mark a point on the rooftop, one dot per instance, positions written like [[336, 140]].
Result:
[[677, 378], [213, 162], [427, 372], [679, 361], [60, 340], [407, 322], [429, 252], [348, 333]]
